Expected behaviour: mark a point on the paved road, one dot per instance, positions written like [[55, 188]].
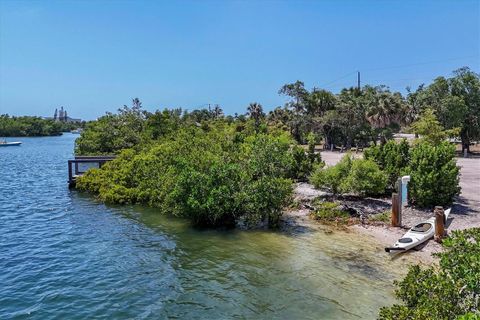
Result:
[[470, 178]]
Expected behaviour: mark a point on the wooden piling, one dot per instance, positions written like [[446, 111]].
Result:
[[439, 224], [395, 210]]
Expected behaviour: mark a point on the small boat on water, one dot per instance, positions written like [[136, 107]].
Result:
[[416, 235], [76, 131], [4, 143]]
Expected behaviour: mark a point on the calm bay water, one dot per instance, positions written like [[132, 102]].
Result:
[[65, 256]]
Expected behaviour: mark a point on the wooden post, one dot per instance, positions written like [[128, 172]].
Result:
[[395, 210], [439, 224]]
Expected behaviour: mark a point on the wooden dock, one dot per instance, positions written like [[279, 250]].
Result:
[[81, 164]]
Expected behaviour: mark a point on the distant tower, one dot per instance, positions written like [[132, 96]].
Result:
[[65, 117], [61, 116], [55, 114]]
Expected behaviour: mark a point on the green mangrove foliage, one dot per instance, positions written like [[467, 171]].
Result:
[[431, 166], [32, 126], [357, 176], [112, 133], [214, 177], [449, 291], [305, 162], [434, 174], [391, 157]]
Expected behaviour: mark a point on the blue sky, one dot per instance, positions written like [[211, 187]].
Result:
[[95, 56]]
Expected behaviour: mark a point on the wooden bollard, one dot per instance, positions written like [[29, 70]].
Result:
[[439, 224], [395, 210]]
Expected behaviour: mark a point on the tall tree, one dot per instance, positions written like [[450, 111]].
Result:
[[351, 111], [217, 112], [456, 102], [386, 111], [299, 94], [255, 111], [319, 101], [466, 86]]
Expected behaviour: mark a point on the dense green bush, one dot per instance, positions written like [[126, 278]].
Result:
[[304, 163], [358, 176], [434, 174], [112, 133], [365, 178], [208, 176], [392, 158], [449, 291], [332, 177]]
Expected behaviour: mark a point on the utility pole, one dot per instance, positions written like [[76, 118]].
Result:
[[358, 80]]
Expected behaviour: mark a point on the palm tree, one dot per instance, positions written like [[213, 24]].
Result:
[[319, 102], [217, 112], [385, 108], [255, 111]]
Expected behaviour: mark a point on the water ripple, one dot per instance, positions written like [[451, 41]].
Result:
[[65, 256]]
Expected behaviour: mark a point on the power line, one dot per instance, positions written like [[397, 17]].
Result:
[[421, 63], [338, 79], [333, 82]]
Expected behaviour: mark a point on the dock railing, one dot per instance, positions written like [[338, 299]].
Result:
[[81, 164]]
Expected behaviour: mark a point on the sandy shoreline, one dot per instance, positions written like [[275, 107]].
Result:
[[465, 211]]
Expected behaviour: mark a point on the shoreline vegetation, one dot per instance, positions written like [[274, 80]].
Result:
[[30, 126], [240, 171]]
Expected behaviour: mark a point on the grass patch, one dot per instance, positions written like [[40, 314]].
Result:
[[329, 211], [382, 217]]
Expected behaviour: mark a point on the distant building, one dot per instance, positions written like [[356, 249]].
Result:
[[62, 116]]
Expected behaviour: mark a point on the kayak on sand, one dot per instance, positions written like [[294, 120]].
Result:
[[416, 235]]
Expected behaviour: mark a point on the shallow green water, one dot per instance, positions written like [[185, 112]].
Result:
[[65, 256]]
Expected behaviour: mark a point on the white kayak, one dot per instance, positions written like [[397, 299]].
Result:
[[416, 235]]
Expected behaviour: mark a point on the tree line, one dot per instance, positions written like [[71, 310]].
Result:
[[352, 118], [28, 126], [360, 117]]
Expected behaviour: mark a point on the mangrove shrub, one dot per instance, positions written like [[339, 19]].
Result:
[[359, 176], [391, 157], [210, 177], [434, 174], [449, 291]]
